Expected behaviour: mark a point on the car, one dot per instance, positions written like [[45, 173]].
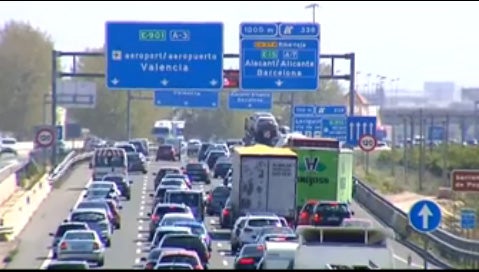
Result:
[[160, 232], [187, 242], [253, 225], [198, 172], [97, 220], [330, 213], [235, 233], [8, 145], [197, 228], [191, 198], [170, 219], [213, 156], [161, 211], [82, 245], [249, 257], [274, 230], [176, 182], [141, 146], [180, 176], [109, 185], [173, 266], [216, 200], [64, 227], [102, 193], [202, 153], [160, 192], [306, 212], [122, 183], [277, 238], [163, 172], [114, 219], [152, 258], [226, 215], [166, 152], [137, 163], [219, 147], [67, 265], [221, 168], [181, 256]]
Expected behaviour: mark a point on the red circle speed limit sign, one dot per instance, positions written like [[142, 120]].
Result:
[[45, 137], [367, 143]]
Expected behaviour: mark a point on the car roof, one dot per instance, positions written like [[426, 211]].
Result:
[[170, 205], [181, 215], [173, 228], [72, 223], [80, 231], [86, 210]]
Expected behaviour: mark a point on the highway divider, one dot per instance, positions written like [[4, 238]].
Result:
[[444, 248], [20, 207]]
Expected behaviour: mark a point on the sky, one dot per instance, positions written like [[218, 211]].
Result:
[[410, 41]]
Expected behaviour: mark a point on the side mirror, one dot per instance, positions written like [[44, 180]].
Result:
[[151, 195], [143, 259], [51, 234]]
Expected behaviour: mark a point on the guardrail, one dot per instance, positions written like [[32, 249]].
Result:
[[72, 159], [444, 248]]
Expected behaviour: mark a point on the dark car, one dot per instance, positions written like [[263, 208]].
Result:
[[249, 257], [216, 200], [137, 163], [163, 172], [64, 227], [221, 168], [202, 153], [226, 216], [160, 211], [152, 258], [140, 147], [213, 156], [166, 153], [188, 242], [121, 183], [198, 172], [330, 213]]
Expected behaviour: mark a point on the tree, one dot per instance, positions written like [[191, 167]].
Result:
[[108, 118], [25, 65]]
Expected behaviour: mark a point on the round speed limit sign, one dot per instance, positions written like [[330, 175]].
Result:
[[367, 143], [45, 137]]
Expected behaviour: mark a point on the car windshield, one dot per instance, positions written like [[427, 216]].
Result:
[[164, 148], [93, 205], [195, 229], [189, 199], [64, 228], [87, 216], [79, 236], [96, 185], [8, 142]]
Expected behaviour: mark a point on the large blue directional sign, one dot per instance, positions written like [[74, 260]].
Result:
[[186, 99], [164, 56], [279, 56], [468, 219], [436, 133], [320, 121], [358, 126], [425, 216], [243, 100]]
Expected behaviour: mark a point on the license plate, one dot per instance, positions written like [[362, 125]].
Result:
[[80, 247]]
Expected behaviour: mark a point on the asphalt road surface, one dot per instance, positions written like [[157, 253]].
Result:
[[130, 244]]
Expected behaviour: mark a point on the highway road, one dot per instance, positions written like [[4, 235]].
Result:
[[129, 244]]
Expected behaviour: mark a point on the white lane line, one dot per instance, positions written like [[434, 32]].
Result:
[[141, 214], [142, 197], [139, 236], [50, 252], [138, 251], [143, 202], [142, 208], [137, 261], [222, 253], [399, 258], [139, 244], [225, 263], [140, 228], [212, 221], [220, 245]]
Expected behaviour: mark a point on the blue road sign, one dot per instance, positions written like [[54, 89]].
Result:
[[279, 56], [243, 100], [358, 126], [320, 121], [164, 56], [468, 219], [59, 132], [186, 99], [436, 133], [425, 216]]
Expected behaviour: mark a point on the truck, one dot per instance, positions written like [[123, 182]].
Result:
[[161, 130], [261, 128], [264, 180], [325, 171]]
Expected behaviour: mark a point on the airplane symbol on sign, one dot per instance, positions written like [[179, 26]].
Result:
[[288, 30]]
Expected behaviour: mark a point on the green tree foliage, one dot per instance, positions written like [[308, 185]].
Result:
[[226, 123], [108, 118], [458, 157], [25, 65]]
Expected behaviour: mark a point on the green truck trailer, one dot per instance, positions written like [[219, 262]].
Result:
[[324, 171]]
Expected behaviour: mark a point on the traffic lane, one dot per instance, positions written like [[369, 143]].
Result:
[[35, 240], [401, 253], [121, 254]]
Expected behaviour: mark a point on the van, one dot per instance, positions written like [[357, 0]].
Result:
[[191, 198], [110, 160]]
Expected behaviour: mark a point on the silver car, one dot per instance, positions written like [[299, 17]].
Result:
[[97, 220], [82, 245]]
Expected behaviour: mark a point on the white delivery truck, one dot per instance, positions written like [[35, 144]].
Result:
[[264, 180]]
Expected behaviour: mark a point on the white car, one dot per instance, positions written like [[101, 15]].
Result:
[[104, 185], [254, 224], [8, 145], [170, 219]]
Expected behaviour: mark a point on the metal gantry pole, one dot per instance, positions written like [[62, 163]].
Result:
[[54, 103]]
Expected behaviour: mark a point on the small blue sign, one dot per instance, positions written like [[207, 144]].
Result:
[[279, 56], [425, 216], [320, 121], [59, 132], [468, 219], [164, 56], [436, 133], [243, 100], [358, 126], [187, 99]]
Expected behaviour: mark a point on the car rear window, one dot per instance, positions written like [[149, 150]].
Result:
[[172, 182], [332, 208], [62, 229], [162, 210], [194, 167], [66, 267], [261, 222], [179, 258], [252, 251], [165, 147], [223, 165], [87, 217], [221, 192], [188, 243], [161, 234], [80, 236]]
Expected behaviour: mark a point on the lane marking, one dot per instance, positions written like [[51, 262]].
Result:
[[142, 208], [137, 261], [225, 263], [220, 245], [140, 228], [141, 214], [138, 251]]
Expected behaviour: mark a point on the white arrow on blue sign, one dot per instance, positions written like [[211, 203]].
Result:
[[425, 216], [359, 126]]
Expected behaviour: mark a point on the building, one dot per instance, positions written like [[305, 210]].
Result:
[[442, 91]]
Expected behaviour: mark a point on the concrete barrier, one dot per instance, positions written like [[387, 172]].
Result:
[[8, 186]]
